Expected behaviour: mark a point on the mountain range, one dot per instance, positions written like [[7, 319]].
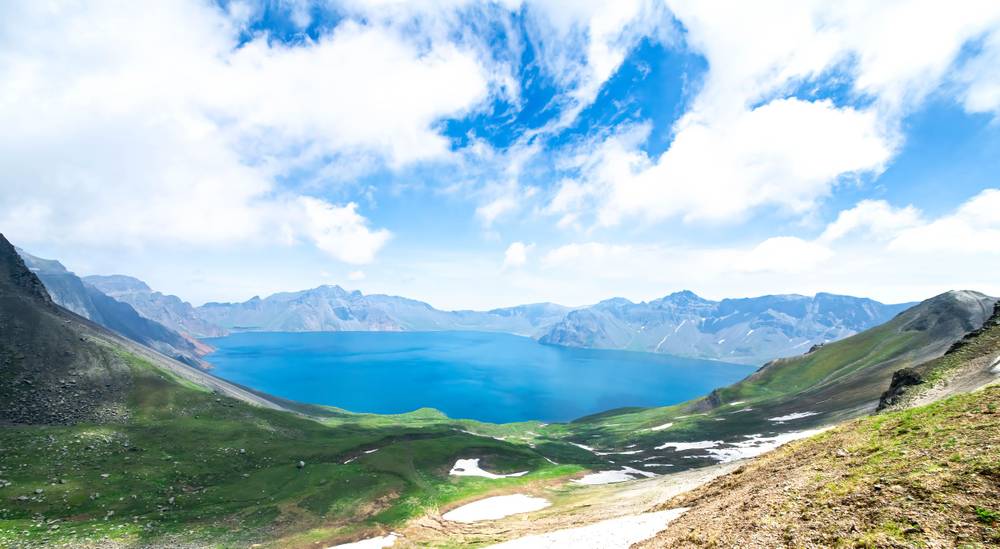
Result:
[[79, 296], [744, 330]]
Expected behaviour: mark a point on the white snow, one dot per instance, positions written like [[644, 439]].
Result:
[[371, 543], [496, 507], [756, 445], [481, 435], [610, 477], [657, 464], [585, 447], [995, 367], [662, 341], [791, 417], [470, 468], [662, 427], [736, 402], [741, 410], [372, 451], [681, 446], [616, 533]]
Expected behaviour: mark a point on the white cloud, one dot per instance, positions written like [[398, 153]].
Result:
[[875, 217], [582, 43], [145, 124], [356, 275], [781, 254], [974, 228], [516, 255], [340, 231], [787, 153], [745, 143]]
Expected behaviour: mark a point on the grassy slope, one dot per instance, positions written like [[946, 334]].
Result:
[[838, 381], [923, 477], [229, 468]]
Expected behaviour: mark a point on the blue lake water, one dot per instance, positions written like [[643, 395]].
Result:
[[484, 376]]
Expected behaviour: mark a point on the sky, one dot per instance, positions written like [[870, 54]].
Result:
[[485, 154]]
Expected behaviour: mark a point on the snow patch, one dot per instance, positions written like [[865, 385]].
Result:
[[995, 367], [585, 447], [496, 507], [792, 417], [616, 533], [380, 542], [470, 468], [756, 445], [681, 446], [662, 427], [610, 477]]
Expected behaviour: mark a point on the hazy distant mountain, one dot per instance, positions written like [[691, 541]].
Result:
[[747, 330], [70, 292], [169, 310], [331, 308]]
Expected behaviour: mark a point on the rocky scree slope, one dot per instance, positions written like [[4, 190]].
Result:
[[70, 292]]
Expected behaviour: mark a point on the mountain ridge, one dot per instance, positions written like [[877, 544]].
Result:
[[75, 294], [748, 330]]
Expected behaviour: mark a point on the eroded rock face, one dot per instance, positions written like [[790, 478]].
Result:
[[750, 330], [901, 379]]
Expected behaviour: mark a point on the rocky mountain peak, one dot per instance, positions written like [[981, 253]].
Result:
[[16, 277]]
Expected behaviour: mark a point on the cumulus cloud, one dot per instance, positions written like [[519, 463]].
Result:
[[750, 140], [516, 255], [877, 218], [141, 124], [973, 228], [340, 231]]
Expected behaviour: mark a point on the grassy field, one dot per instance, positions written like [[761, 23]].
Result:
[[192, 466]]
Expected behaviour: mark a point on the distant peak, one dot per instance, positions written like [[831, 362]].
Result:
[[117, 284], [616, 301]]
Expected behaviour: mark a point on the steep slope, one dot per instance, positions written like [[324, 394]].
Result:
[[59, 368], [923, 477], [851, 369], [70, 292], [750, 330], [168, 310], [786, 398]]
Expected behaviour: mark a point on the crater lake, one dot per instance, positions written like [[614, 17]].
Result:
[[491, 377]]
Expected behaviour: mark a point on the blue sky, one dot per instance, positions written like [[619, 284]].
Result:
[[481, 154]]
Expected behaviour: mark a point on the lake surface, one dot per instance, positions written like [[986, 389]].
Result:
[[485, 376]]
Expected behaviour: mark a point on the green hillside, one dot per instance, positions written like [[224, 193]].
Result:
[[922, 477], [104, 441]]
